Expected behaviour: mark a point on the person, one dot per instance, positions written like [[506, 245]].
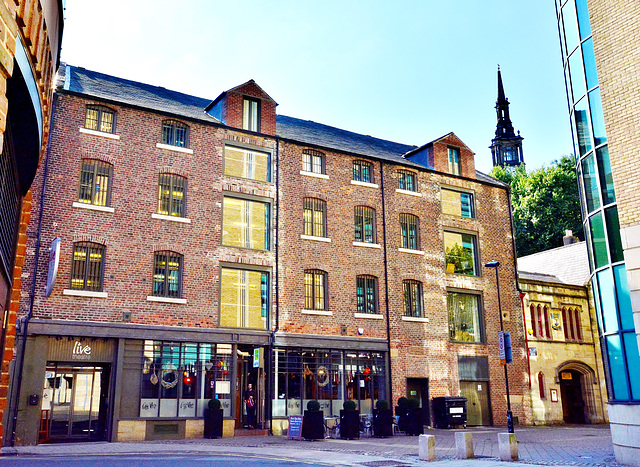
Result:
[[250, 401]]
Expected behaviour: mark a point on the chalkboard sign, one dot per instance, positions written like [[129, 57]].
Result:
[[295, 427]]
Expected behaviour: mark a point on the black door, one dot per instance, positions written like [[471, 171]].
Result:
[[418, 388], [571, 393]]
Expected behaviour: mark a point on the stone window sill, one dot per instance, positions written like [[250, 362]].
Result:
[[415, 319], [367, 184], [84, 293], [315, 239], [313, 174], [367, 245], [184, 220], [98, 133], [409, 250], [317, 312], [168, 147], [93, 207], [368, 316], [179, 301], [407, 192]]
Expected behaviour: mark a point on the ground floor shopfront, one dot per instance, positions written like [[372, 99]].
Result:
[[126, 383]]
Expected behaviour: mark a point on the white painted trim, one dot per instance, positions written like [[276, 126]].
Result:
[[316, 239], [415, 320], [413, 252], [93, 207], [367, 245], [184, 220], [84, 293], [313, 174], [179, 301], [168, 147], [407, 192], [367, 184], [317, 312], [99, 133], [368, 316]]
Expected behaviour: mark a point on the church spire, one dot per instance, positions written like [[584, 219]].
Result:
[[506, 147]]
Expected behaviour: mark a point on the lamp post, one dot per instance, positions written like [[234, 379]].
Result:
[[495, 265]]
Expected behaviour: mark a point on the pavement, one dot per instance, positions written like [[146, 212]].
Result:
[[579, 445]]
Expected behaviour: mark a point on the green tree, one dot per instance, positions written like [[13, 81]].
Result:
[[545, 203]]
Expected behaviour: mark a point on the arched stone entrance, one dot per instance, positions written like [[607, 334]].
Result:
[[577, 380]]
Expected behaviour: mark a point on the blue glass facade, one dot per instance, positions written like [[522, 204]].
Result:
[[599, 209]]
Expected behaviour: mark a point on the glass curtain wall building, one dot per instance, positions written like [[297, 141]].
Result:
[[599, 208]]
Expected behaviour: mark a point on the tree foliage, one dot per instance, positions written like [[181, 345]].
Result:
[[545, 203]]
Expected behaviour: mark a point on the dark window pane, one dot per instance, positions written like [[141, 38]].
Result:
[[606, 178], [597, 120], [582, 129], [633, 362], [598, 242], [617, 368], [623, 296], [608, 298], [613, 232], [590, 182]]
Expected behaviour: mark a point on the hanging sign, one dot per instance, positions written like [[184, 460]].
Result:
[[54, 259]]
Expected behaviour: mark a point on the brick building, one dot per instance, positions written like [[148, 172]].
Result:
[[206, 245], [30, 35], [599, 42], [565, 361]]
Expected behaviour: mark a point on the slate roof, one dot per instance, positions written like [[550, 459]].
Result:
[[568, 264], [119, 90]]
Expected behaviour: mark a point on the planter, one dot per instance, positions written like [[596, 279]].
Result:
[[313, 425], [415, 425], [213, 423], [382, 423], [349, 424], [403, 418]]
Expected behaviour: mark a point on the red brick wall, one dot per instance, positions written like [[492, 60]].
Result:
[[440, 156], [234, 102]]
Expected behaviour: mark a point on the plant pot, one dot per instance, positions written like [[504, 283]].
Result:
[[415, 425], [382, 423], [403, 418], [313, 425], [213, 423], [349, 424]]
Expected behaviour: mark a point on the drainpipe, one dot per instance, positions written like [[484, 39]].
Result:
[[386, 282], [272, 338], [15, 396]]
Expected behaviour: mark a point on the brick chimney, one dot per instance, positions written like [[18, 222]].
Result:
[[568, 238]]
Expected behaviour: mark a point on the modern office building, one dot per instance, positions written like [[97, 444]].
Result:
[[30, 36], [600, 44], [209, 244]]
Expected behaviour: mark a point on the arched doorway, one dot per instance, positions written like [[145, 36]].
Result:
[[576, 381]]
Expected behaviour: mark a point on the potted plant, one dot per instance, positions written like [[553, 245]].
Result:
[[382, 420], [402, 412], [213, 417], [313, 421], [415, 424], [350, 420]]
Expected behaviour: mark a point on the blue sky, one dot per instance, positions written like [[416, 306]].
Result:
[[407, 71]]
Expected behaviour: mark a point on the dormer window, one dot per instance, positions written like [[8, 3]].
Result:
[[454, 161], [251, 114]]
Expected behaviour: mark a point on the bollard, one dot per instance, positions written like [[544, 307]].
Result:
[[464, 445], [427, 447], [508, 446]]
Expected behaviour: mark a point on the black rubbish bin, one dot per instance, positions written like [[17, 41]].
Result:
[[449, 411]]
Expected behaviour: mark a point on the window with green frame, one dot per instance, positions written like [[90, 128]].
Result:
[[367, 294], [465, 322], [244, 298], [460, 253]]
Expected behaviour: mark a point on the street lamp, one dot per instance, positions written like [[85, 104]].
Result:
[[495, 265]]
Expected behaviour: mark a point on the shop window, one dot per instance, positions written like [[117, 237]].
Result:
[[365, 224], [407, 180], [175, 133], [363, 171], [246, 223], [460, 253], [95, 183], [315, 290], [87, 266], [100, 118], [167, 274], [247, 163], [410, 231], [412, 291], [457, 203], [464, 317], [178, 379], [244, 298], [172, 195], [315, 217], [367, 294], [313, 161]]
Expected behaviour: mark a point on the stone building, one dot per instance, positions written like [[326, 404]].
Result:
[[30, 36], [600, 44], [565, 361], [206, 245], [506, 146]]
